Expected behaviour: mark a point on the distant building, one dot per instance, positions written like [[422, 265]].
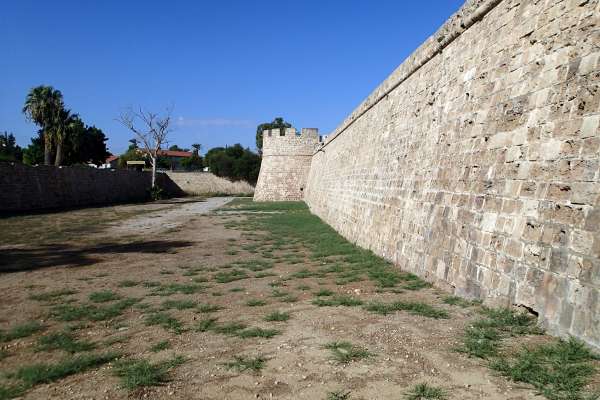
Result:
[[111, 162], [174, 157]]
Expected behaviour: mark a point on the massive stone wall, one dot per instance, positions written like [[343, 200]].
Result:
[[476, 163], [285, 164], [205, 183]]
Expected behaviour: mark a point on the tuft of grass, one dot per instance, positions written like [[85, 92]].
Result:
[[208, 308], [338, 395], [69, 312], [174, 288], [206, 325], [235, 329], [457, 301], [242, 363], [128, 283], [151, 284], [264, 274], [143, 373], [256, 303], [424, 391], [236, 289], [21, 331], [416, 285], [35, 374], [277, 316], [257, 332], [303, 287], [324, 293], [178, 304], [63, 341], [160, 346], [559, 370], [103, 296], [345, 352], [53, 295], [483, 338], [339, 300], [413, 307], [165, 320], [230, 276]]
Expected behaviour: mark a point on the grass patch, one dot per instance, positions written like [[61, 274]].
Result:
[[303, 287], [160, 346], [178, 304], [143, 373], [277, 316], [165, 320], [103, 296], [424, 391], [413, 307], [63, 341], [235, 329], [345, 352], [292, 221], [458, 301], [324, 293], [236, 289], [53, 295], [208, 308], [21, 331], [256, 303], [69, 312], [230, 276], [338, 395], [36, 374], [242, 363], [483, 338], [339, 300], [174, 288], [559, 370]]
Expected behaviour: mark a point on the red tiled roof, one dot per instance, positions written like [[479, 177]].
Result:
[[174, 153], [110, 159]]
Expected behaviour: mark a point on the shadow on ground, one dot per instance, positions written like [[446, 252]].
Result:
[[52, 255]]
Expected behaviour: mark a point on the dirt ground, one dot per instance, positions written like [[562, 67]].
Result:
[[183, 242]]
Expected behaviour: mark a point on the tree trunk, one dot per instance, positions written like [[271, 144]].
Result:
[[58, 159], [47, 149], [153, 172]]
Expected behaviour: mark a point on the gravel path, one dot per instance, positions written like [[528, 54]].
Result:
[[181, 212]]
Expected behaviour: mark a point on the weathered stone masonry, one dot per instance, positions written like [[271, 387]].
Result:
[[476, 163], [285, 164]]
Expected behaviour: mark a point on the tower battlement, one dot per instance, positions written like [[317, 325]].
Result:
[[285, 163]]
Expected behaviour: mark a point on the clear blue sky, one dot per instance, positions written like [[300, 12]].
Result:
[[225, 65]]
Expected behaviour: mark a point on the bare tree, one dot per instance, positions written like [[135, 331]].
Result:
[[150, 129]]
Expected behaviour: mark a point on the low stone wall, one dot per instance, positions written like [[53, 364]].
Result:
[[26, 188], [205, 183]]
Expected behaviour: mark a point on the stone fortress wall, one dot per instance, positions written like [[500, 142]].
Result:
[[285, 164], [476, 164]]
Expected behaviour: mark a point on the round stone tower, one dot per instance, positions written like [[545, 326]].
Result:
[[285, 163]]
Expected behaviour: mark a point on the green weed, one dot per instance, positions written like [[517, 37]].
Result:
[[413, 307], [345, 352], [63, 341], [142, 373], [20, 331], [103, 296], [160, 346], [424, 391], [277, 316], [242, 363]]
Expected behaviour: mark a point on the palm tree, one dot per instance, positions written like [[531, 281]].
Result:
[[63, 126], [42, 105]]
